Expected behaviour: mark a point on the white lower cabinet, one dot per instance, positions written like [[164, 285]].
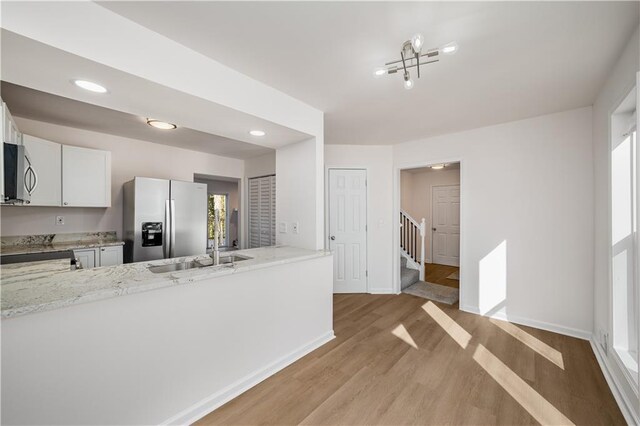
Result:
[[87, 258], [111, 256], [102, 256]]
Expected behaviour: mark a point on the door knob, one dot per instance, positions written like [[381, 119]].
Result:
[[333, 238]]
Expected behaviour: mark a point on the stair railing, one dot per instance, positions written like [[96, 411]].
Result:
[[412, 235]]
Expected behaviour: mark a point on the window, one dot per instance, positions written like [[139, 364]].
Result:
[[624, 234], [217, 202]]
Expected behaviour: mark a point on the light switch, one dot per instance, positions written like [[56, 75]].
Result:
[[282, 227], [294, 227], [59, 220]]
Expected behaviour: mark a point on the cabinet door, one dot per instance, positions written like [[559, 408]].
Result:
[[87, 257], [10, 132], [111, 256], [46, 159], [86, 177]]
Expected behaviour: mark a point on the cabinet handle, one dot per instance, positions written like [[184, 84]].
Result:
[[65, 203], [103, 249]]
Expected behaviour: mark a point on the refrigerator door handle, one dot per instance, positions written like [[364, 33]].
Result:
[[172, 249], [166, 242]]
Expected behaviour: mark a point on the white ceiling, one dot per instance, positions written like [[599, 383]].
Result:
[[31, 64], [516, 59], [41, 106]]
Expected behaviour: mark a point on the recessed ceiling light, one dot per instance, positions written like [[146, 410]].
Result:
[[90, 86], [438, 166], [162, 125], [379, 71], [257, 133]]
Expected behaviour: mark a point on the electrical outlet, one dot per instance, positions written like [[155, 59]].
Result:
[[294, 227], [59, 220]]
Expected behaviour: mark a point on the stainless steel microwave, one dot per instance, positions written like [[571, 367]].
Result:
[[20, 178]]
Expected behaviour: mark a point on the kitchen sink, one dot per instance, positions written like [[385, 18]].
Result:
[[183, 266], [172, 267]]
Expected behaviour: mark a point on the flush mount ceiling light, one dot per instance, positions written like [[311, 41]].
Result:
[[90, 86], [162, 125], [410, 55], [257, 133], [438, 166]]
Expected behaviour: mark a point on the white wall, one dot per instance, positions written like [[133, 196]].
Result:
[[415, 198], [380, 220], [263, 165], [619, 82], [298, 197], [527, 193], [129, 158]]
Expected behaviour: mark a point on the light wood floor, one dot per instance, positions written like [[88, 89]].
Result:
[[437, 274], [477, 372]]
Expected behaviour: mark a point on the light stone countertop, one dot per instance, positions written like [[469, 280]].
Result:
[[40, 286], [46, 243]]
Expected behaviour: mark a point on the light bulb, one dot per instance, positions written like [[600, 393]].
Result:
[[450, 48], [408, 84], [379, 72], [416, 42]]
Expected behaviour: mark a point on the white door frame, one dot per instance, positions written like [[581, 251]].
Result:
[[430, 260], [396, 214], [326, 212]]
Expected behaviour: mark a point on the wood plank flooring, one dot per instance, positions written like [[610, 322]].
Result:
[[437, 274], [464, 369]]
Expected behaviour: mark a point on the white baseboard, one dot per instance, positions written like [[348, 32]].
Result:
[[555, 328], [210, 403], [381, 291], [625, 406]]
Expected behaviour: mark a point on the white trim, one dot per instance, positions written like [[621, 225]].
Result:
[[210, 403], [381, 291], [623, 403], [326, 213], [554, 328]]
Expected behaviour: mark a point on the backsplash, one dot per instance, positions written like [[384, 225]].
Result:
[[51, 239]]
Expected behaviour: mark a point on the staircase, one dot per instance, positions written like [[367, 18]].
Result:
[[412, 248], [408, 276]]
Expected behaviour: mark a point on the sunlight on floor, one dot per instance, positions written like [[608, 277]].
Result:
[[541, 409], [401, 333], [534, 343], [535, 404], [456, 332]]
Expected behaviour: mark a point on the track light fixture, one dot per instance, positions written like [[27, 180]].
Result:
[[410, 56]]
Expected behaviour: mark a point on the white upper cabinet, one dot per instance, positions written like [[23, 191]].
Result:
[[46, 160], [86, 177], [10, 132]]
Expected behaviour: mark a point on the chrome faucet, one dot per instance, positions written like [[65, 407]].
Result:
[[215, 255]]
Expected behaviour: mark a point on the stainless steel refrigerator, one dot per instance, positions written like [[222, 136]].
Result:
[[164, 219]]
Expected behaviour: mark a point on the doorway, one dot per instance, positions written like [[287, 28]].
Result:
[[430, 201], [223, 196], [347, 229]]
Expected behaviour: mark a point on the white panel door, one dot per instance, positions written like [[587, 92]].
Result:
[[111, 256], [446, 225], [86, 177], [46, 159], [348, 229]]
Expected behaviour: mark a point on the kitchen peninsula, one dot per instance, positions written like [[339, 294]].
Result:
[[99, 337]]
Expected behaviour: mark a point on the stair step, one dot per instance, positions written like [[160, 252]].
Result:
[[408, 276]]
